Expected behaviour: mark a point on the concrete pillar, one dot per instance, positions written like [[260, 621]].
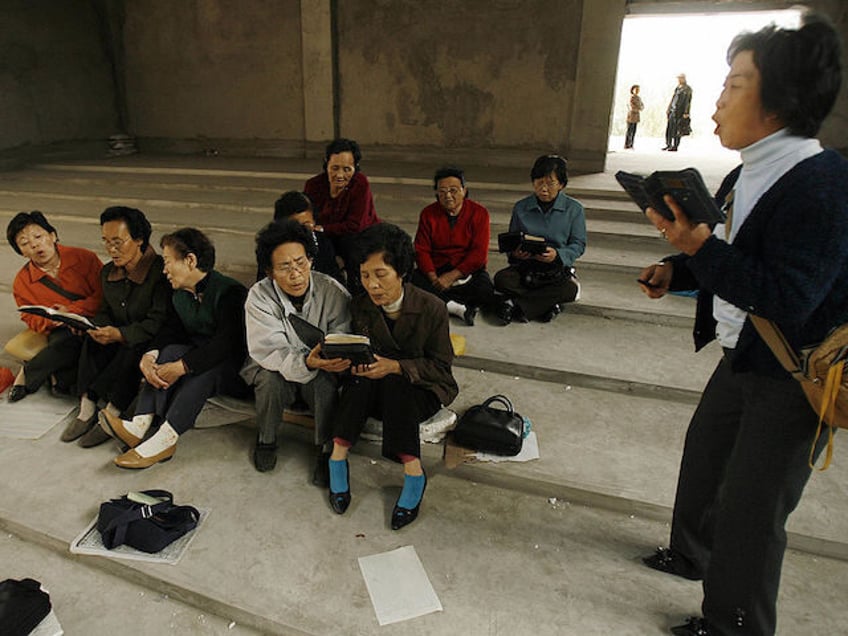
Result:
[[317, 61], [597, 63]]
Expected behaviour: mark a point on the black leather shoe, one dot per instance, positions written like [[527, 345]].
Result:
[[321, 474], [339, 501], [404, 516], [519, 316], [504, 313], [264, 456], [551, 313], [469, 315], [668, 561], [694, 626], [17, 392]]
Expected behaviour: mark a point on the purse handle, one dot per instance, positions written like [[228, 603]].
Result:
[[501, 399]]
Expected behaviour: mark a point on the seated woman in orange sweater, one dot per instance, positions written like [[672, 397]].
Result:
[[57, 276]]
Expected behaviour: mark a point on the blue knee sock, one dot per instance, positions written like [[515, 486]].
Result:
[[338, 475], [413, 490]]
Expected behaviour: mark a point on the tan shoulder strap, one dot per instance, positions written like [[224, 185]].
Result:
[[774, 338]]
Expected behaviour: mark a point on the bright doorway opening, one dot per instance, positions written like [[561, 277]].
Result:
[[654, 50]]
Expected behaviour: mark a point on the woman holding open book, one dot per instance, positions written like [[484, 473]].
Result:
[[410, 377], [538, 281]]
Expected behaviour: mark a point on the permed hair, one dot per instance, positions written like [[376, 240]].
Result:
[[190, 240], [275, 234], [392, 242], [137, 224]]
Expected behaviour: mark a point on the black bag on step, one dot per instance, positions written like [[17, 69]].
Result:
[[148, 527], [493, 430], [23, 605]]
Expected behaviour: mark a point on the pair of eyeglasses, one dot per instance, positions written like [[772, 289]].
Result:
[[451, 191], [115, 244], [551, 184], [299, 264]]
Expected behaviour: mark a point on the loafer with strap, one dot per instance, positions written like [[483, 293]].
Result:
[[113, 426], [131, 459]]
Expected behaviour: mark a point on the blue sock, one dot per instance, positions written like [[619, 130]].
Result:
[[338, 475], [413, 490]]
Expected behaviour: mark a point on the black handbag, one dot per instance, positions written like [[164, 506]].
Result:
[[145, 527], [493, 430], [23, 605]]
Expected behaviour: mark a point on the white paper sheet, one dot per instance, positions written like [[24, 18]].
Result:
[[398, 585], [529, 450]]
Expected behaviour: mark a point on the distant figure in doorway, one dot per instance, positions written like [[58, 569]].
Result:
[[678, 114], [633, 110]]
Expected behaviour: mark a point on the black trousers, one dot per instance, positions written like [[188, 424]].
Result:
[[478, 292], [744, 467], [395, 401], [534, 302], [672, 132], [631, 135], [60, 359], [110, 372]]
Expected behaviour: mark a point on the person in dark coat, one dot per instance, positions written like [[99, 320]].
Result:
[[410, 378], [751, 441], [678, 113]]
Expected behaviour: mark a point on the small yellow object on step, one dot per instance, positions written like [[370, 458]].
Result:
[[26, 345], [458, 343]]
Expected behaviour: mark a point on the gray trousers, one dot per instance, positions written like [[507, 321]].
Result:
[[274, 394]]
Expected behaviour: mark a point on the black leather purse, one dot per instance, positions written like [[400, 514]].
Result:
[[493, 430], [148, 527]]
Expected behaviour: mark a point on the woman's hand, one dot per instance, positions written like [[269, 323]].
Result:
[[655, 279], [686, 236], [447, 279], [378, 369], [149, 368], [548, 256], [106, 335], [332, 365], [521, 255], [170, 372]]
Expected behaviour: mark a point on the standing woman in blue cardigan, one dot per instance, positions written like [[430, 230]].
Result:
[[191, 359]]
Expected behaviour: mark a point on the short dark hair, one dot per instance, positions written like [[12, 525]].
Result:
[[546, 164], [800, 71], [20, 221], [343, 145], [389, 240], [289, 203], [275, 234], [137, 224], [632, 88], [190, 240], [446, 172]]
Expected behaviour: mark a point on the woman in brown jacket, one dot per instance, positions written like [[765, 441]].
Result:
[[411, 377], [636, 106]]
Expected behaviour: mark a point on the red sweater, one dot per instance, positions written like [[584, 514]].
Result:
[[465, 246], [79, 273], [350, 212]]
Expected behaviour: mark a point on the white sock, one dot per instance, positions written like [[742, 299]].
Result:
[[87, 408], [139, 424], [111, 409], [164, 438], [456, 309]]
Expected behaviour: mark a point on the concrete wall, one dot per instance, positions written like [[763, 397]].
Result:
[[225, 69], [55, 76]]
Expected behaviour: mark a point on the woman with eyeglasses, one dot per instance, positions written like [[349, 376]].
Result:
[[197, 354], [342, 200], [135, 306], [537, 284]]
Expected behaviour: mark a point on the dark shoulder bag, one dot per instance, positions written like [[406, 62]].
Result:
[[145, 527], [493, 430]]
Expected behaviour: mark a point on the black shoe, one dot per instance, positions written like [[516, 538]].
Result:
[[321, 474], [551, 313], [469, 315], [672, 149], [504, 312], [694, 626], [666, 148], [265, 456], [404, 516], [519, 316], [339, 501], [671, 562], [17, 392]]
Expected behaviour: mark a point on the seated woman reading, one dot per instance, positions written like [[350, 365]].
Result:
[[193, 358], [56, 276], [410, 377]]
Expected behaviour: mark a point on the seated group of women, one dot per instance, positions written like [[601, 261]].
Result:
[[170, 331]]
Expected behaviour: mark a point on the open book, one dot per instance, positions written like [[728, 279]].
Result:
[[686, 186], [72, 320], [510, 241], [352, 347]]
